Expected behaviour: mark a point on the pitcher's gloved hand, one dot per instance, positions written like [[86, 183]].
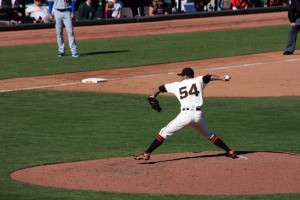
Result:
[[154, 104]]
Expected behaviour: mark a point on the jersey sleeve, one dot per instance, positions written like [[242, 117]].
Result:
[[206, 79], [170, 87], [201, 81], [73, 6], [162, 88], [50, 4]]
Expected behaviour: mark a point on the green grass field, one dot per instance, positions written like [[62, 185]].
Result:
[[42, 59], [44, 127]]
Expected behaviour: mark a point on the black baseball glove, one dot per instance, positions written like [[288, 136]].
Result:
[[154, 104]]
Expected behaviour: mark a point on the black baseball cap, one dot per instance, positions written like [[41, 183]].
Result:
[[187, 72]]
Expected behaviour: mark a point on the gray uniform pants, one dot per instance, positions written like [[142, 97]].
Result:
[[61, 19], [292, 37]]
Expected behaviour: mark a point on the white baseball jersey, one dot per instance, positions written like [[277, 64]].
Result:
[[188, 92]]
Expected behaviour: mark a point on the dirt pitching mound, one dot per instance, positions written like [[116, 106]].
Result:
[[201, 173]]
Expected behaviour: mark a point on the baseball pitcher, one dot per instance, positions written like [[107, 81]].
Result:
[[189, 92]]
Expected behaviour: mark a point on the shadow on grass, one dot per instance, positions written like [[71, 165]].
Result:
[[102, 52]]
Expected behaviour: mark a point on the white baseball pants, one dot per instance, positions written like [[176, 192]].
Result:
[[187, 118], [61, 19]]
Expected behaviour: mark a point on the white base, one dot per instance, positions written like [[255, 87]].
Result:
[[93, 80]]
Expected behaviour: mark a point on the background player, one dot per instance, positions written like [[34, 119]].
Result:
[[189, 92], [294, 18], [64, 12]]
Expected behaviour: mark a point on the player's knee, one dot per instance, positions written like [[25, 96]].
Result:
[[164, 134], [213, 138]]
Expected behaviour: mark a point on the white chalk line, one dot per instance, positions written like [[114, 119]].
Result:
[[150, 75], [254, 64], [76, 83], [141, 76], [39, 87]]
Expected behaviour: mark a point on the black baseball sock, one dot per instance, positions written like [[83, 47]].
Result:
[[155, 144], [219, 143]]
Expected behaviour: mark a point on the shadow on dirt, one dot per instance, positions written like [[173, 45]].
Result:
[[204, 156]]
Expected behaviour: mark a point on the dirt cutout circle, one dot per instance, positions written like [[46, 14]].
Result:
[[203, 173]]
